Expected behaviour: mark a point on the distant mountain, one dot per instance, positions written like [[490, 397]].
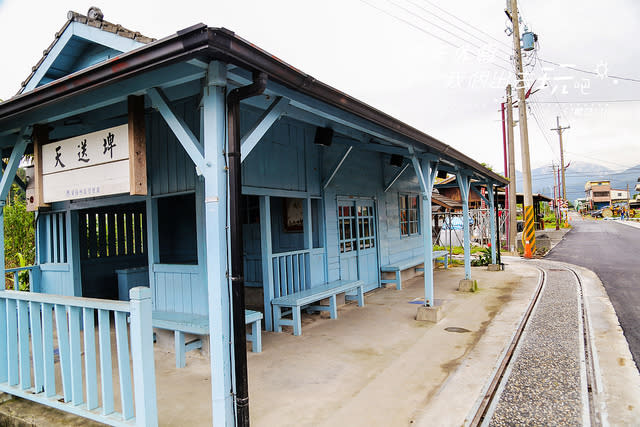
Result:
[[577, 175]]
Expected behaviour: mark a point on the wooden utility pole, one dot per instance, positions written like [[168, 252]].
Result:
[[560, 129], [556, 208], [511, 188], [529, 232]]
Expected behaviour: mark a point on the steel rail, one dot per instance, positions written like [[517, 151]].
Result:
[[592, 385], [506, 360]]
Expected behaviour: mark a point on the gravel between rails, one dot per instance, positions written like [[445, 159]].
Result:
[[544, 385]]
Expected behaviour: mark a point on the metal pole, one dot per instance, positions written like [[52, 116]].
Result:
[[512, 204], [497, 207], [237, 250], [450, 247], [529, 232]]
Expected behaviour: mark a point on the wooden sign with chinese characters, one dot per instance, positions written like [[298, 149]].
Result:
[[106, 162], [91, 165]]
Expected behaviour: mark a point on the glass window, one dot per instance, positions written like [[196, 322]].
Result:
[[347, 228], [409, 215]]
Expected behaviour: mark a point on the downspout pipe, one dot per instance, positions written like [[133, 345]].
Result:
[[237, 269]]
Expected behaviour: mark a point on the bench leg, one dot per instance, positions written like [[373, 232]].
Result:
[[277, 315], [446, 261], [398, 281], [180, 349], [333, 307], [360, 291], [256, 342], [297, 324]]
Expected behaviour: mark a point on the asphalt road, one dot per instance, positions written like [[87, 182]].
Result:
[[612, 251]]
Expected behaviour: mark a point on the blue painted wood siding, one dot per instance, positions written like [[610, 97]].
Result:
[[53, 254], [364, 175], [170, 170], [284, 159], [179, 288]]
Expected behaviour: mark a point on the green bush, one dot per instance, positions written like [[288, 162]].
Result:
[[19, 239], [484, 258]]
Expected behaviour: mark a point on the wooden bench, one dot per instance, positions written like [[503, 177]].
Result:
[[397, 267], [197, 324], [295, 301]]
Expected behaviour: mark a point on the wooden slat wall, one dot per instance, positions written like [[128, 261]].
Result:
[[112, 231], [279, 161], [180, 290], [170, 168]]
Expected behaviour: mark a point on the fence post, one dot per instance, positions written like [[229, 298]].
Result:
[[144, 377], [34, 279]]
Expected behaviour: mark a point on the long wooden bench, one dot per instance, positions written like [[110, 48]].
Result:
[[397, 267], [196, 324], [293, 302]]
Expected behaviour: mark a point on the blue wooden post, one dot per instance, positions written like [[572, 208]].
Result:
[[144, 376], [5, 185], [426, 173], [215, 180], [267, 269], [2, 264], [4, 349], [464, 182], [492, 216]]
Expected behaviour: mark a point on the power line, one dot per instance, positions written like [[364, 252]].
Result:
[[594, 73], [421, 29], [509, 53], [466, 23], [600, 101], [441, 27], [434, 24], [542, 131], [552, 93], [600, 160]]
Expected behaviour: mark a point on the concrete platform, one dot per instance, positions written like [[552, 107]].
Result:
[[376, 365]]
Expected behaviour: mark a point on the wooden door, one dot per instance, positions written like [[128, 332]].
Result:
[[358, 242]]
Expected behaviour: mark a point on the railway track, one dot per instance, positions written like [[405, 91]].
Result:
[[592, 412]]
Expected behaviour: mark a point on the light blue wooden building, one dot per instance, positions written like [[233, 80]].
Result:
[[332, 191]]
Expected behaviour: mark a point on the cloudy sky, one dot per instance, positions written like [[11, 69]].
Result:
[[440, 66]]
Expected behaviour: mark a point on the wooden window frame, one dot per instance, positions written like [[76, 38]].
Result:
[[404, 219]]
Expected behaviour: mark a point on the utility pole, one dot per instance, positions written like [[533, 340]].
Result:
[[560, 129], [556, 208], [511, 188], [529, 232]]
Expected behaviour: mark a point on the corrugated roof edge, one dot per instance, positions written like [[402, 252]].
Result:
[[224, 44]]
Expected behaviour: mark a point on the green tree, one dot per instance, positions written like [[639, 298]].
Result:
[[19, 234]]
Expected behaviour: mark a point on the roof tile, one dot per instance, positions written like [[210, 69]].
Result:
[[96, 23]]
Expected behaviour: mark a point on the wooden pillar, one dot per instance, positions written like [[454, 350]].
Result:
[[266, 251], [218, 285], [137, 146], [492, 227], [40, 137], [307, 226], [464, 183], [5, 184], [426, 172]]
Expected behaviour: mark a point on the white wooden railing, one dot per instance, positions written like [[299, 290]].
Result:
[[67, 356]]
